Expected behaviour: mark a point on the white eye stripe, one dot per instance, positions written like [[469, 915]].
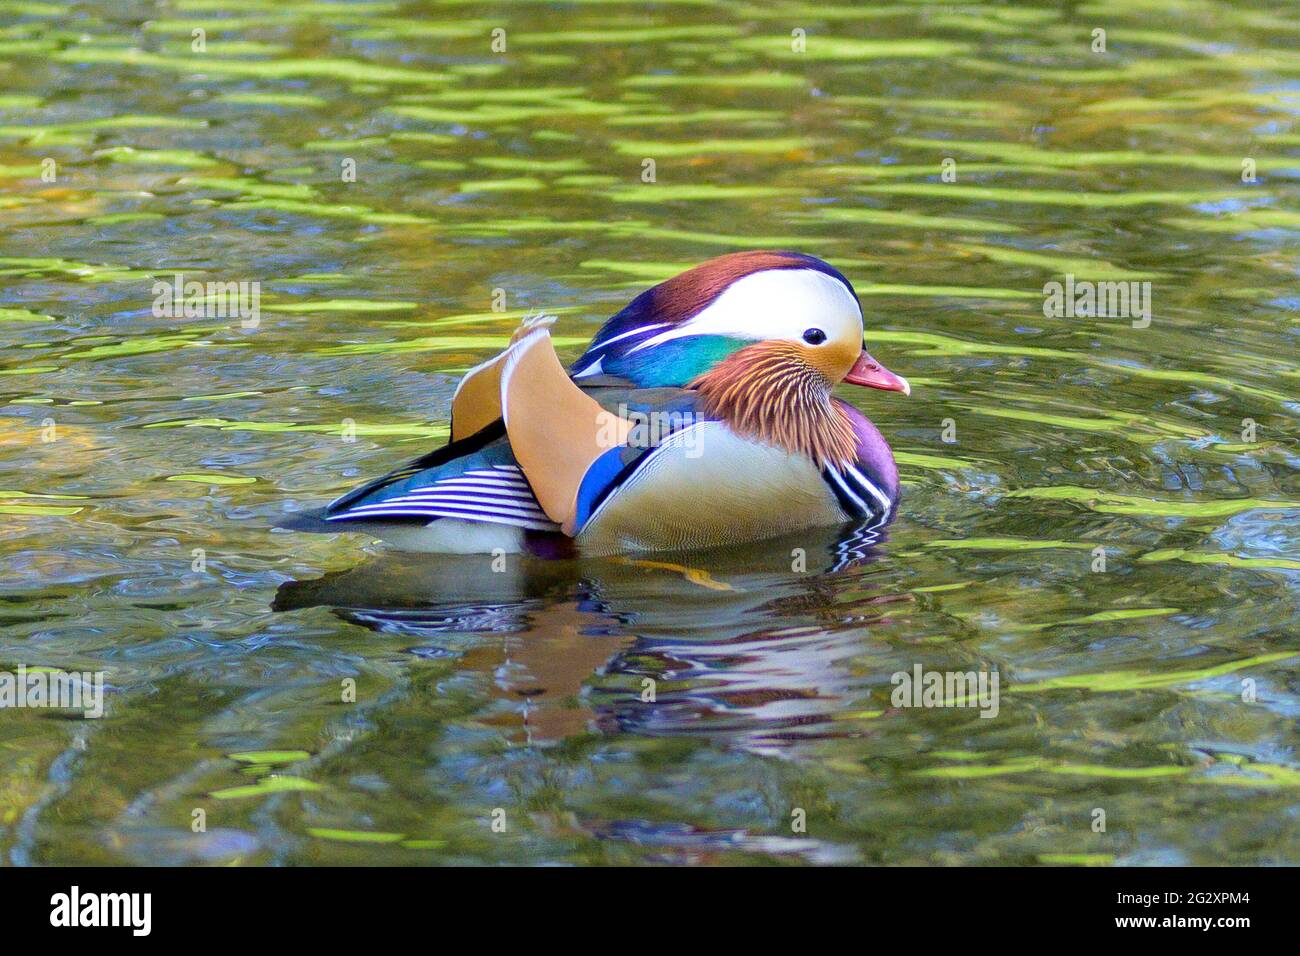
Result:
[[637, 331], [774, 304]]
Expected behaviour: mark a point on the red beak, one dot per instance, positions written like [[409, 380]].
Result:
[[867, 371]]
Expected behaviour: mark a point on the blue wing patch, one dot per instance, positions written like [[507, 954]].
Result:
[[498, 494], [604, 475], [475, 479]]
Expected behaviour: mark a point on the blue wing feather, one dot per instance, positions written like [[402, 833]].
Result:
[[476, 479]]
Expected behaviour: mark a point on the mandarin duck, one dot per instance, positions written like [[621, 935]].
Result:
[[700, 415]]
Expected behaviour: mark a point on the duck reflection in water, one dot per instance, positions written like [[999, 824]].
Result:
[[752, 647]]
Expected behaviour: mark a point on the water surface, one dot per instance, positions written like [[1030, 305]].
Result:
[[1159, 687]]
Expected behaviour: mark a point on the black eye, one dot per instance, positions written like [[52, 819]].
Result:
[[814, 336]]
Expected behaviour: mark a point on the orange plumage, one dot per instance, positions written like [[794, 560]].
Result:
[[769, 392]]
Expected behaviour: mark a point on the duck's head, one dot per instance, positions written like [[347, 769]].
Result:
[[771, 319]]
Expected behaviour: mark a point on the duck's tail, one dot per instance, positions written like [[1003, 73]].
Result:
[[311, 520]]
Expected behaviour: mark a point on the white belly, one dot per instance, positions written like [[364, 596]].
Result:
[[448, 536], [705, 486]]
